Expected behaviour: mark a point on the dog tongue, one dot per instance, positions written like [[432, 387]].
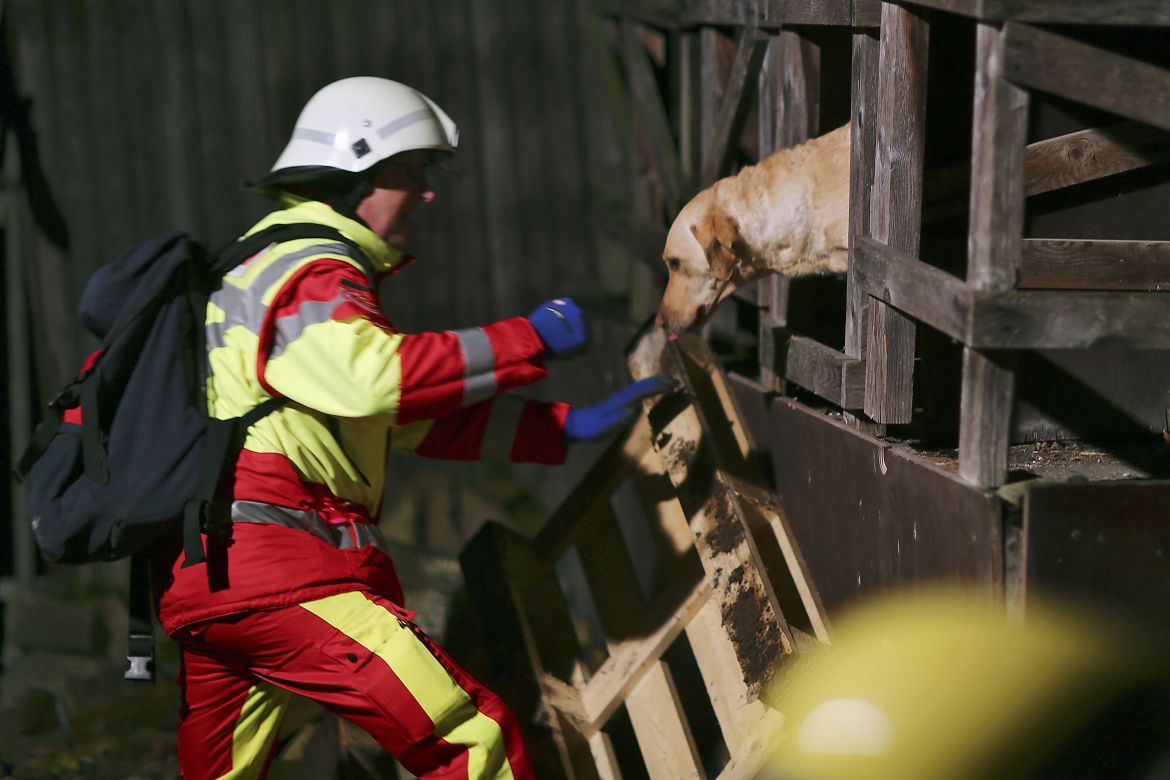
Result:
[[673, 337]]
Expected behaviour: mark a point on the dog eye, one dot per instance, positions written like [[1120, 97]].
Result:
[[673, 263]]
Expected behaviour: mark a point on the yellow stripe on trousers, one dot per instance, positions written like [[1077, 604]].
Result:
[[256, 728], [454, 715]]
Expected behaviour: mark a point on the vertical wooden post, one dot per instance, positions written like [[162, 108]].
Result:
[[896, 210], [999, 136], [789, 114], [863, 106]]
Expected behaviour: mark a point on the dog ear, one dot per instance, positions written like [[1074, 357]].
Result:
[[718, 233]]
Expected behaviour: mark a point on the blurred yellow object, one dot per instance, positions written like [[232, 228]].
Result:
[[941, 686]]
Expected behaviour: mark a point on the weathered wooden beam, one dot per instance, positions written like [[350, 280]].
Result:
[[812, 12], [862, 123], [897, 204], [820, 369], [749, 53], [1054, 163], [999, 136], [1048, 61], [658, 13], [1070, 264], [926, 293], [1018, 319], [649, 105], [867, 13], [776, 14], [1114, 12], [1092, 154], [1035, 319]]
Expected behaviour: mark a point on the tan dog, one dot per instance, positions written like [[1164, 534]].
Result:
[[787, 214]]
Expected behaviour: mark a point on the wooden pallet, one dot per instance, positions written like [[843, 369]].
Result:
[[713, 565]]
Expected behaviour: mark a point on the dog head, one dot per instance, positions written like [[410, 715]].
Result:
[[704, 255]]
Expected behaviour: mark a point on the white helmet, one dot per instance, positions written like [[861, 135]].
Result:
[[353, 124]]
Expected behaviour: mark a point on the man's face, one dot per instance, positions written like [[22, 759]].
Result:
[[401, 185]]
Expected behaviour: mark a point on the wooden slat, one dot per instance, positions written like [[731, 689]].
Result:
[[1028, 319], [1114, 12], [1087, 74], [1071, 264], [649, 106], [999, 136], [749, 53], [667, 745], [628, 661], [867, 13], [863, 125], [1070, 320], [830, 374], [772, 290], [687, 444], [736, 712], [928, 294], [604, 757], [1092, 154], [897, 204]]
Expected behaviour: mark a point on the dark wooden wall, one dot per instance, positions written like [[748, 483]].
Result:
[[148, 113]]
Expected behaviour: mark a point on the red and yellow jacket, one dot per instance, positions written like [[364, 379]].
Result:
[[299, 322]]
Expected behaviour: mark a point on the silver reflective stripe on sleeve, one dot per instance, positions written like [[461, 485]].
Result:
[[316, 136], [403, 122], [503, 421], [479, 365], [245, 306], [311, 523], [289, 329]]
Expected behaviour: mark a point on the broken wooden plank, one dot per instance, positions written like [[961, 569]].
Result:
[[1048, 61]]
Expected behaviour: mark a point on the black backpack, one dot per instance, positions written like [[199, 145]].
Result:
[[145, 462]]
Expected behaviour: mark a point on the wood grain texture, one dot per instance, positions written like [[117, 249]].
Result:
[[655, 710], [900, 280], [823, 370], [749, 53], [1116, 12], [652, 113], [1066, 264], [862, 122], [1047, 61], [995, 231], [896, 207], [1092, 154]]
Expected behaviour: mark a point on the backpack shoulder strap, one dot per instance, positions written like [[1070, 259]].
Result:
[[237, 252]]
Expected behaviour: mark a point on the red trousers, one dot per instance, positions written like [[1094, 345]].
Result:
[[361, 657]]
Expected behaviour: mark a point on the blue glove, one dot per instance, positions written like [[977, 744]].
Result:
[[601, 419], [560, 325]]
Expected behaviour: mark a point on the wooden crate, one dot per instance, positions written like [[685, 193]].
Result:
[[597, 600]]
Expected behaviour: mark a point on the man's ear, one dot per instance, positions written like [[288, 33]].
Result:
[[718, 233]]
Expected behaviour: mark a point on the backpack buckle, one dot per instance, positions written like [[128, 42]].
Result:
[[141, 657]]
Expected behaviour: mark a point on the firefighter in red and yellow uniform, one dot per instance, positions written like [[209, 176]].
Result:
[[302, 599]]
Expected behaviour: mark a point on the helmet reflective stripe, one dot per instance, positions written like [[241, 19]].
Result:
[[316, 136], [353, 124], [404, 122]]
